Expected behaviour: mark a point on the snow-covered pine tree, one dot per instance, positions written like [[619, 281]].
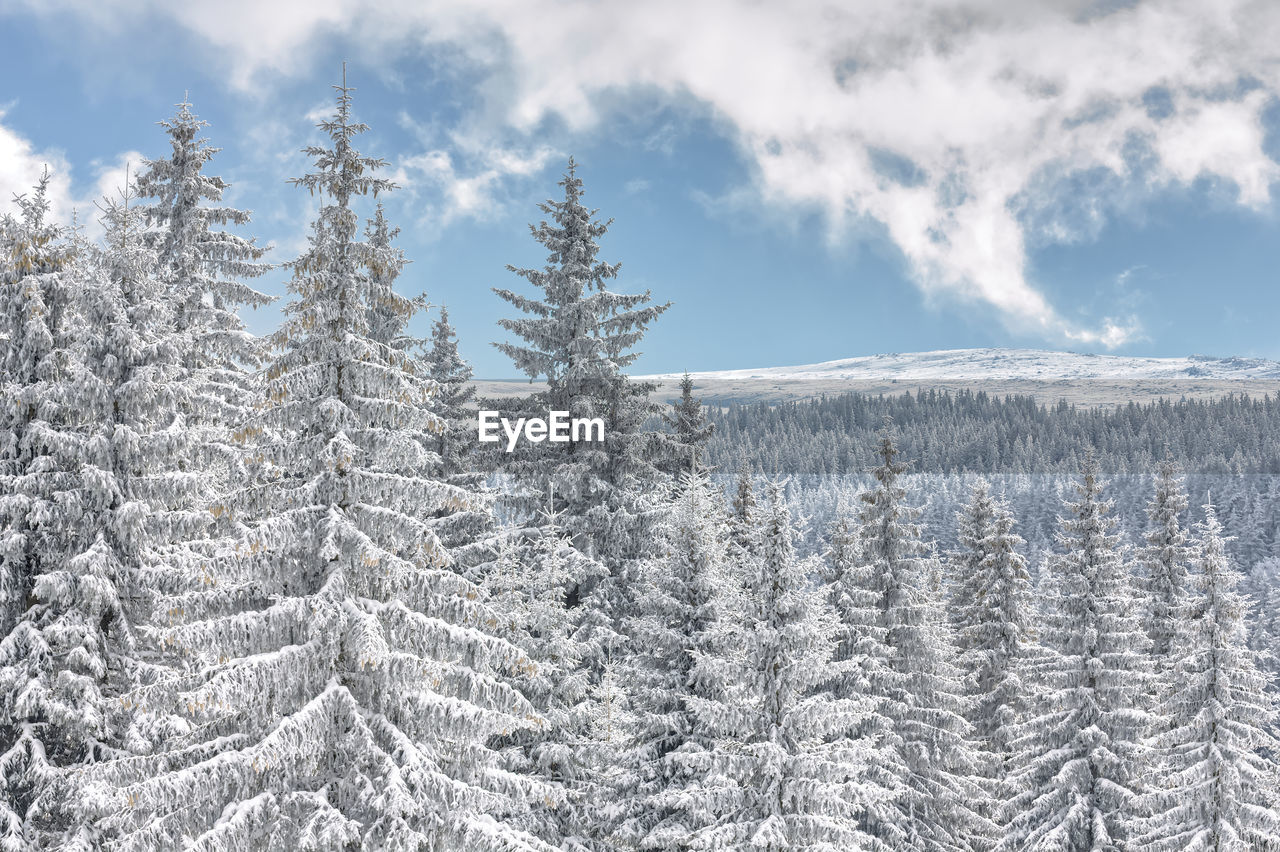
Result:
[[922, 695], [118, 504], [466, 532], [863, 650], [678, 592], [688, 419], [1079, 752], [1165, 562], [209, 356], [33, 327], [787, 767], [579, 336], [1218, 783], [992, 608], [64, 619], [455, 401], [744, 516], [528, 585], [388, 310], [345, 684], [203, 266]]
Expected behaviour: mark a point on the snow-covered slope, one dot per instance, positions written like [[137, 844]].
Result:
[[979, 365], [1047, 376]]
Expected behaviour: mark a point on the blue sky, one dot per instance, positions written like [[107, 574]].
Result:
[[805, 181]]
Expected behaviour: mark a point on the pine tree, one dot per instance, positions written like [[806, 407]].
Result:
[[456, 397], [579, 337], [788, 766], [528, 586], [64, 624], [1080, 750], [744, 516], [344, 684], [862, 648], [992, 611], [921, 693], [1164, 559], [208, 392], [680, 590], [1218, 779], [688, 419], [35, 328], [118, 503], [388, 310], [202, 267]]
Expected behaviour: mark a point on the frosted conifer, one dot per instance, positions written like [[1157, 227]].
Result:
[[679, 591], [1076, 772], [688, 420], [388, 310], [456, 398], [63, 627], [1218, 781], [787, 768], [528, 586], [862, 649], [344, 684], [34, 330], [1164, 560], [579, 337], [744, 516], [922, 694], [992, 611]]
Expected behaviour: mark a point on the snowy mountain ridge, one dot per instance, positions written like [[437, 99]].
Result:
[[977, 365], [1048, 376]]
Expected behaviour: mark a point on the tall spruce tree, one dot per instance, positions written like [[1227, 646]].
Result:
[[921, 692], [1218, 781], [992, 611], [1076, 775], [64, 625], [688, 420], [1165, 577], [344, 683], [451, 372], [681, 590], [868, 662], [744, 517], [528, 586], [35, 329], [788, 765], [579, 337]]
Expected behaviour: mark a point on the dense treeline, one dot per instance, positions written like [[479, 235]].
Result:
[[255, 594], [969, 431]]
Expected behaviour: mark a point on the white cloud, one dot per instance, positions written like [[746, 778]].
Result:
[[471, 182], [21, 166], [963, 128]]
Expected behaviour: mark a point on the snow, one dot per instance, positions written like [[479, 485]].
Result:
[[1000, 365], [1049, 376]]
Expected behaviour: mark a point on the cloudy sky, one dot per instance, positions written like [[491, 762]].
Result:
[[804, 180]]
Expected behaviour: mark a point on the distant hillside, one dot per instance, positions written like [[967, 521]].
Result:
[[1047, 376]]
